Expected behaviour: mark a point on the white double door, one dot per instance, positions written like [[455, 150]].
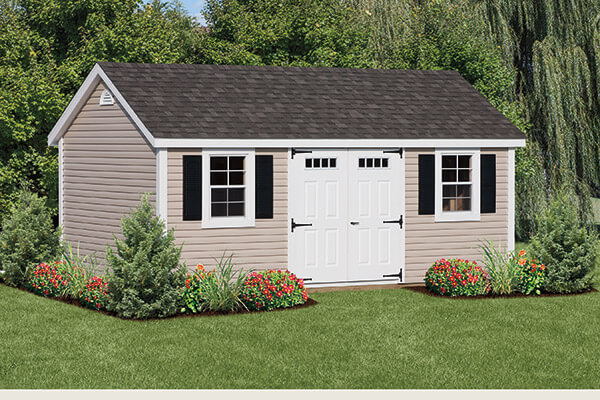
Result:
[[346, 215]]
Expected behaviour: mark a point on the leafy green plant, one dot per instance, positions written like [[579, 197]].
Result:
[[566, 246], [456, 277], [146, 274], [28, 238], [268, 290], [78, 268], [502, 269], [218, 290]]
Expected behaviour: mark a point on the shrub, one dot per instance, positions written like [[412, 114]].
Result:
[[502, 269], [271, 289], [532, 275], [218, 290], [48, 280], [146, 274], [28, 238], [565, 246], [456, 277], [95, 294]]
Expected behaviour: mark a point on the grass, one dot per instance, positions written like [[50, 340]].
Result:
[[370, 339]]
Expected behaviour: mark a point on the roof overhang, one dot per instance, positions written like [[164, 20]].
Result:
[[95, 76], [337, 143]]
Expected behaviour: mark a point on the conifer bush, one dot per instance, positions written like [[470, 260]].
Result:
[[146, 274], [566, 246], [28, 238]]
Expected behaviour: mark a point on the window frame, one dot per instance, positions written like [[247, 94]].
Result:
[[457, 216], [248, 219]]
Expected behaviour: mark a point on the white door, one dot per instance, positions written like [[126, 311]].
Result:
[[345, 213], [376, 211], [318, 215]]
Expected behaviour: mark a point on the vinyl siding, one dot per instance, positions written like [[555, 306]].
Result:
[[260, 247], [427, 240], [107, 164]]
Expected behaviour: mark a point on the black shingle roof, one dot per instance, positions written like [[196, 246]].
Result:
[[226, 101]]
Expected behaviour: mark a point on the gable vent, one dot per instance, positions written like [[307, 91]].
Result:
[[106, 98]]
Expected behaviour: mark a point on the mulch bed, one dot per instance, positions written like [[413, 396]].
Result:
[[423, 290], [67, 300]]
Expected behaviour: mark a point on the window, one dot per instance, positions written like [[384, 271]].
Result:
[[320, 163], [457, 185], [373, 162], [229, 183]]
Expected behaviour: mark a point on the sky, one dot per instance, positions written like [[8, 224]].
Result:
[[194, 7]]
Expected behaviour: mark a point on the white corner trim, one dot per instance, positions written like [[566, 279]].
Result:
[[511, 199], [61, 180], [458, 216], [78, 101], [162, 184], [248, 220], [338, 143]]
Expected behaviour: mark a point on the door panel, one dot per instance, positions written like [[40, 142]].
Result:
[[375, 195]]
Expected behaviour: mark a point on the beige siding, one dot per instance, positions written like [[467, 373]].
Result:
[[427, 240], [107, 165], [260, 247]]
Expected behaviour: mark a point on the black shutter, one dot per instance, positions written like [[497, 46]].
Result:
[[488, 183], [426, 184], [264, 186], [192, 188]]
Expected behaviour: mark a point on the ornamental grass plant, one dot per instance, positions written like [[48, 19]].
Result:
[[502, 269]]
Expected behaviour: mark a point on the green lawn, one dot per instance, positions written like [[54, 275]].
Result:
[[370, 339]]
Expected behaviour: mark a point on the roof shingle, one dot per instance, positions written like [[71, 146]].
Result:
[[249, 102]]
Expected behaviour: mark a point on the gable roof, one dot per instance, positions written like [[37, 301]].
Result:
[[177, 101]]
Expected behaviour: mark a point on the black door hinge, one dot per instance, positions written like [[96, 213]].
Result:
[[398, 275], [396, 221], [294, 152], [295, 225], [398, 151]]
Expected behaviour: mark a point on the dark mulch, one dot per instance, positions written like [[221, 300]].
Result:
[[67, 300], [423, 290]]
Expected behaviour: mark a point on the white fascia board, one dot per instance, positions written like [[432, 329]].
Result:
[[338, 143], [86, 89]]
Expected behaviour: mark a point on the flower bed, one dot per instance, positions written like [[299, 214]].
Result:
[[456, 277], [95, 294], [268, 290], [48, 280]]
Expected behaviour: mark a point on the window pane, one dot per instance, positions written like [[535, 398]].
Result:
[[369, 163], [464, 175], [332, 162], [317, 163], [378, 163], [463, 204], [218, 163], [218, 178], [361, 162], [236, 178], [449, 191], [464, 161], [325, 163], [218, 209], [463, 191], [236, 163], [384, 163], [309, 163], [449, 204], [449, 175], [236, 209], [236, 194], [218, 195], [448, 161]]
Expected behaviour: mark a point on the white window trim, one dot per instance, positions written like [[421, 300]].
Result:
[[458, 216], [248, 220]]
